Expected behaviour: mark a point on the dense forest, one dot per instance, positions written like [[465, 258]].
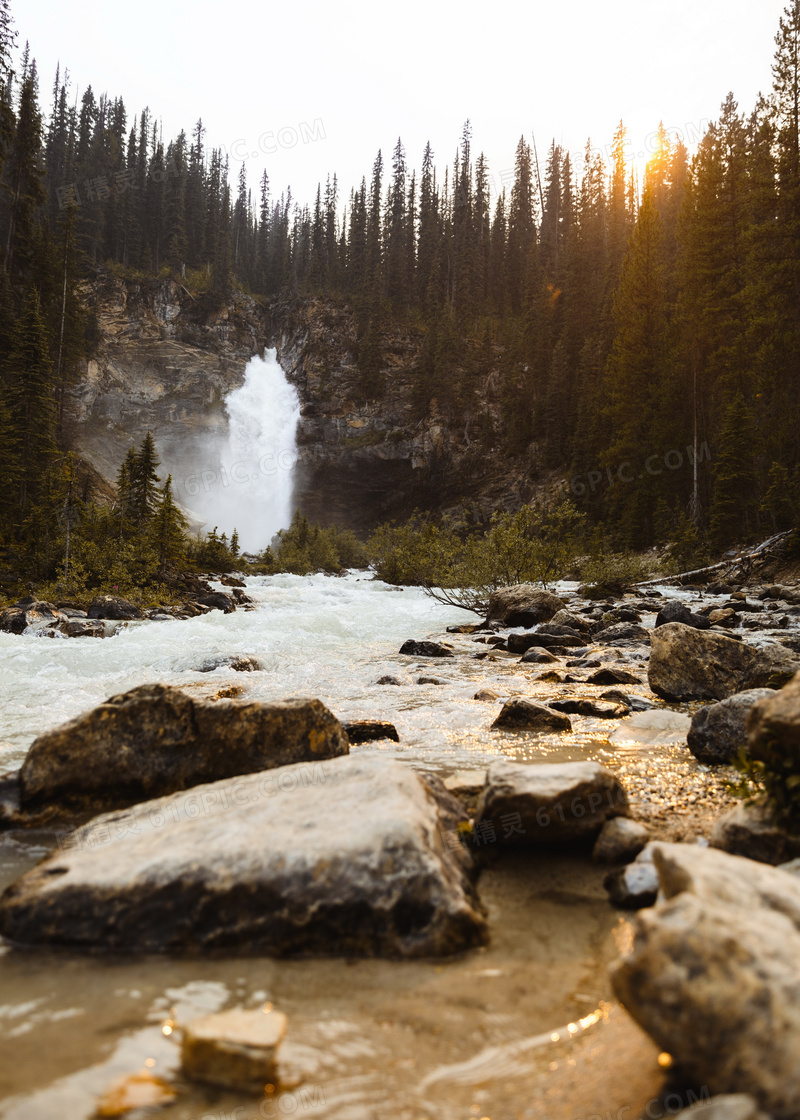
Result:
[[646, 335]]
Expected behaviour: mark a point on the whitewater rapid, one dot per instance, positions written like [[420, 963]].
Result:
[[328, 637]]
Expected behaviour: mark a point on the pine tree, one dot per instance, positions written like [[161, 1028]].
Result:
[[144, 483], [168, 528], [30, 399], [636, 370]]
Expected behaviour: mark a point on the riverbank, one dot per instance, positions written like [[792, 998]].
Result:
[[455, 1037]]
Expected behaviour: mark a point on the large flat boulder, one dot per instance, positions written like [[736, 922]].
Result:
[[156, 739], [718, 730], [523, 604], [718, 987], [347, 856], [689, 664], [549, 802]]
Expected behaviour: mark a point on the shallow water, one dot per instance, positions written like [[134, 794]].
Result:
[[461, 1038]]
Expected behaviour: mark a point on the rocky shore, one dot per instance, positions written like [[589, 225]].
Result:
[[189, 826]]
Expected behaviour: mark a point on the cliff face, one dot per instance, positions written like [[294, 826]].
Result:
[[165, 362], [365, 461]]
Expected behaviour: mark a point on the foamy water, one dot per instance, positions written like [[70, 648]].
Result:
[[321, 636]]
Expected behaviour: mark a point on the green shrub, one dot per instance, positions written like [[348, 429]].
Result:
[[611, 574], [537, 544]]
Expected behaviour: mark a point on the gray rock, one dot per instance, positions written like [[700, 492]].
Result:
[[716, 876], [538, 656], [560, 630], [718, 730], [673, 611], [620, 841], [430, 680], [773, 724], [718, 987], [550, 802], [519, 714], [622, 632], [343, 857], [521, 643], [524, 604], [218, 601], [612, 676], [425, 649], [635, 885], [369, 730], [727, 1106], [80, 628], [389, 679], [689, 664], [238, 662], [156, 739], [588, 706], [630, 699], [752, 831], [568, 618], [30, 615], [113, 607], [486, 695]]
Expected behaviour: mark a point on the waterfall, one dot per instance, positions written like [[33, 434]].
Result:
[[251, 487]]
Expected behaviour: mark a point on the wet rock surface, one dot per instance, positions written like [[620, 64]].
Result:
[[751, 830], [113, 607], [713, 974], [236, 1048], [370, 730], [689, 664], [718, 730], [634, 886], [523, 604], [519, 714], [425, 649], [620, 841], [156, 739], [343, 858], [553, 801]]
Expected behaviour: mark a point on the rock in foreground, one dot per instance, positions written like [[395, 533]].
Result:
[[718, 987], [155, 739], [549, 802], [235, 1048], [343, 857], [689, 664]]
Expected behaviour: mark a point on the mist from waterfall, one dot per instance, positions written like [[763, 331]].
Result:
[[250, 485]]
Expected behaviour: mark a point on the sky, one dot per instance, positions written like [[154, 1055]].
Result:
[[306, 88]]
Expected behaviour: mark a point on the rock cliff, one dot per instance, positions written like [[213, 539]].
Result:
[[165, 360]]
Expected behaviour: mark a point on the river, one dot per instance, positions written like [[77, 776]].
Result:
[[471, 1037]]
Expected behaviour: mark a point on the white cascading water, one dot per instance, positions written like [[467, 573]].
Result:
[[250, 488]]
